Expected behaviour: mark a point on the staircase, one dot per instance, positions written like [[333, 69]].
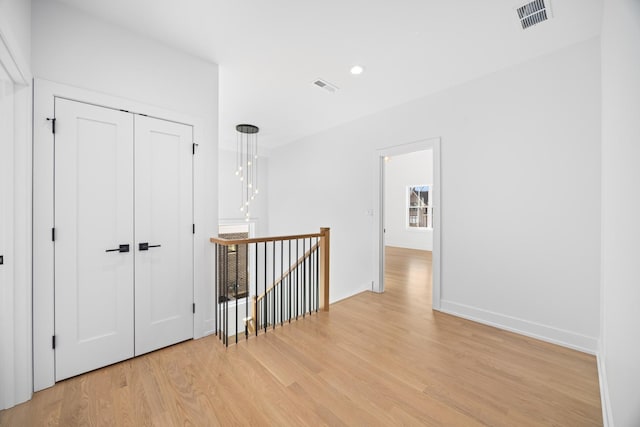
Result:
[[287, 277]]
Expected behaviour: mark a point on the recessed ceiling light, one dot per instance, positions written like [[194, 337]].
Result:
[[356, 69]]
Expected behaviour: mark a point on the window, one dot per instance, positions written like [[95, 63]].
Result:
[[233, 286], [419, 210]]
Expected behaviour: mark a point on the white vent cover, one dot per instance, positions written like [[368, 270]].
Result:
[[534, 13], [326, 85]]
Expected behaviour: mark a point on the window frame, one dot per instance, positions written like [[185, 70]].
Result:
[[230, 225], [408, 207]]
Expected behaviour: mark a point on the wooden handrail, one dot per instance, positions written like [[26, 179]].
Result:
[[228, 242], [289, 271]]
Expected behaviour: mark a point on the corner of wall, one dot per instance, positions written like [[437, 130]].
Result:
[[607, 417]]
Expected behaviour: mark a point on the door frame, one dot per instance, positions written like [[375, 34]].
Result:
[[15, 309], [44, 95], [378, 220]]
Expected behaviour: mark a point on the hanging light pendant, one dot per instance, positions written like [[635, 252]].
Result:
[[247, 165]]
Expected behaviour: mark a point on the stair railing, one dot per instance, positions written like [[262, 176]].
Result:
[[268, 281]]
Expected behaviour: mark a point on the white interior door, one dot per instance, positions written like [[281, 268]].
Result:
[[93, 218], [163, 234]]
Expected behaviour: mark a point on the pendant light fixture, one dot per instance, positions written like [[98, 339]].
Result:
[[247, 165]]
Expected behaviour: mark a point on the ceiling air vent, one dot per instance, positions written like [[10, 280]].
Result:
[[533, 13], [326, 85]]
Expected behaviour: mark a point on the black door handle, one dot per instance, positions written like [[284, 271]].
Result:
[[122, 248], [145, 246]]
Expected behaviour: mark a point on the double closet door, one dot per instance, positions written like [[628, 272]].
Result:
[[123, 235]]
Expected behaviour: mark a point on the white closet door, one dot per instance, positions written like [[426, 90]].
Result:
[[163, 222], [93, 215]]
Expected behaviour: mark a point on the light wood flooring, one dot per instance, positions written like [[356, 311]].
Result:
[[374, 359]]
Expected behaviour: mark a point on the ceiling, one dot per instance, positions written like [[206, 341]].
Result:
[[270, 52]]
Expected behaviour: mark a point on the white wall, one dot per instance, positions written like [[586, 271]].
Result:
[[401, 172], [76, 49], [15, 30], [7, 283], [72, 47], [530, 135], [15, 302], [229, 192], [621, 210]]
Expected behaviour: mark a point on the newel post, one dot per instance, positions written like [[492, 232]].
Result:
[[324, 268]]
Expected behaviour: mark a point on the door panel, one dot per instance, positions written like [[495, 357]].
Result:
[[93, 214], [163, 220]]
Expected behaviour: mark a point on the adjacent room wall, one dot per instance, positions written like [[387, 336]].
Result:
[[76, 49], [401, 172], [620, 350], [524, 144]]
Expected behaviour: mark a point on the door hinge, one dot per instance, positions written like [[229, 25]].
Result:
[[53, 234], [194, 228], [53, 342], [194, 308], [53, 124], [193, 148]]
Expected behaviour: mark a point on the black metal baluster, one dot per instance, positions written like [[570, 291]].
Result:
[[225, 284], [310, 268], [223, 279], [255, 296], [219, 279], [304, 278], [309, 275], [273, 282], [235, 289], [266, 314], [246, 291], [297, 279], [309, 288], [317, 274], [289, 283], [281, 279], [226, 297], [215, 283]]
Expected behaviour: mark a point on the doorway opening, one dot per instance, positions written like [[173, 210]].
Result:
[[408, 223], [407, 218]]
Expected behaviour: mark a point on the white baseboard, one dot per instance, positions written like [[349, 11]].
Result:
[[607, 418], [550, 334]]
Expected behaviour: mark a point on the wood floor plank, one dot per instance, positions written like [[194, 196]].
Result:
[[373, 359]]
